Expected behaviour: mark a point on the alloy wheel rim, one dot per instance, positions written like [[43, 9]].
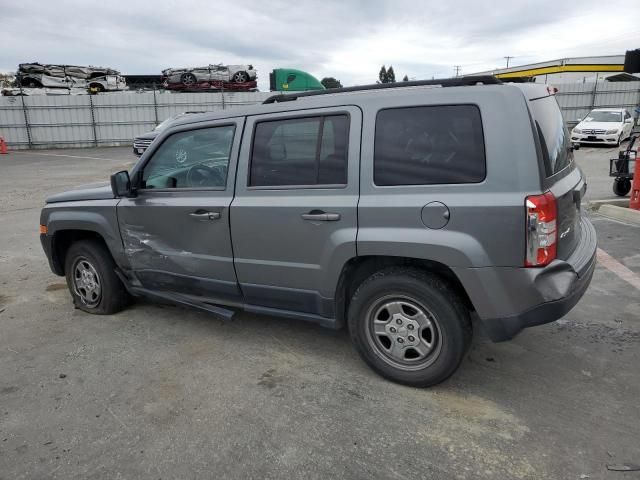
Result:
[[86, 282], [403, 332]]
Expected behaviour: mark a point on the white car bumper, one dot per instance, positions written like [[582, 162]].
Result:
[[601, 138]]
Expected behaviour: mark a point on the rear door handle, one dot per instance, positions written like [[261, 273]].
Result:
[[320, 216], [203, 215]]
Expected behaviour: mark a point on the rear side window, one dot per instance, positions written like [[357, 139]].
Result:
[[300, 151], [429, 145], [554, 138]]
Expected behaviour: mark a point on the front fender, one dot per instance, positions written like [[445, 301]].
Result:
[[97, 216]]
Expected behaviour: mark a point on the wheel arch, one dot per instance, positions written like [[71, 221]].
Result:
[[62, 241], [67, 226], [358, 269]]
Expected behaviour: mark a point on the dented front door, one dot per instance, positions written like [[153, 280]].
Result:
[[176, 230]]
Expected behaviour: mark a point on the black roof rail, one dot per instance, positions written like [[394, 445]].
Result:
[[443, 82]]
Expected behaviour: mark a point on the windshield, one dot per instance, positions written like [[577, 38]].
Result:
[[603, 116]]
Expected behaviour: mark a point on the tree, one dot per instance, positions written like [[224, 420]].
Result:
[[330, 82], [383, 75], [391, 75], [405, 79]]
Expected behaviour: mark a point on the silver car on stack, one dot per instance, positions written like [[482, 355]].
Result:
[[210, 73]]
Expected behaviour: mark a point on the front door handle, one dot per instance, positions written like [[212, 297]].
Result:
[[203, 215], [320, 216]]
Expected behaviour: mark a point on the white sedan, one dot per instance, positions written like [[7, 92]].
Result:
[[608, 126]]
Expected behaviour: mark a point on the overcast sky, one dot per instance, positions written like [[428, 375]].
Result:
[[349, 40]]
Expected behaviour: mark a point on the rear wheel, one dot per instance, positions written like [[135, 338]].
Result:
[[188, 79], [92, 279], [240, 77], [409, 326], [621, 186]]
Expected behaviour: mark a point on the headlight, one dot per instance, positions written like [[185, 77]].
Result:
[[577, 130], [611, 132]]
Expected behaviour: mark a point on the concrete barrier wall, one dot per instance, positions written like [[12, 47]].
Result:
[[115, 118]]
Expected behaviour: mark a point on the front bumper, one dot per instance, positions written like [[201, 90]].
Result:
[[50, 252], [596, 138], [508, 300]]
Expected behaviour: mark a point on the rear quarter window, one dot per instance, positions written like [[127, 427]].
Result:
[[553, 135], [429, 145]]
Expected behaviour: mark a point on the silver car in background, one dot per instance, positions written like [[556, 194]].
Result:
[[210, 73]]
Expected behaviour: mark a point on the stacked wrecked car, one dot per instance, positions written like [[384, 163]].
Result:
[[98, 79], [211, 77]]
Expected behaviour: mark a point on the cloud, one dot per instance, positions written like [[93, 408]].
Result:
[[345, 39]]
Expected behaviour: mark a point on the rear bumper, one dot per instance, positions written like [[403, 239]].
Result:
[[508, 300]]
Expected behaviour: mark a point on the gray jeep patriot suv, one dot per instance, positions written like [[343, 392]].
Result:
[[407, 212]]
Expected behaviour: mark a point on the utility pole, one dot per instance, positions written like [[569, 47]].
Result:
[[508, 58], [457, 69]]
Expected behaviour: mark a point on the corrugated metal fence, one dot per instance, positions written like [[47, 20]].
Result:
[[102, 120], [114, 119], [577, 99]]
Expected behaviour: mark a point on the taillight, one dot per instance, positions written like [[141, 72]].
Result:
[[542, 239]]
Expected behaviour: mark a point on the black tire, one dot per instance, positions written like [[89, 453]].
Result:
[[188, 79], [621, 186], [619, 141], [112, 296], [240, 77], [427, 292]]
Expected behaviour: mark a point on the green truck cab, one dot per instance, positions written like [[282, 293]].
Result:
[[292, 80]]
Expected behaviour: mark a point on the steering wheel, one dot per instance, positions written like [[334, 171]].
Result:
[[204, 176]]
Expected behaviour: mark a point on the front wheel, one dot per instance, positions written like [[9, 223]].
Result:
[[92, 280], [621, 186], [409, 326]]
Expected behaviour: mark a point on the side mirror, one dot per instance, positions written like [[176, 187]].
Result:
[[121, 184], [628, 120], [578, 119]]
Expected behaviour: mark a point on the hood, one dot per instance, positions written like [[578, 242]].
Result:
[[102, 192], [149, 135], [600, 125]]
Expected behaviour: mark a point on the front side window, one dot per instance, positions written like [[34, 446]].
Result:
[[300, 151], [429, 145], [193, 159]]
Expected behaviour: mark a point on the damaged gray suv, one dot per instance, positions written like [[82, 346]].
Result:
[[413, 214]]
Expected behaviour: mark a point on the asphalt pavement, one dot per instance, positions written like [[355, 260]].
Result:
[[166, 392]]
